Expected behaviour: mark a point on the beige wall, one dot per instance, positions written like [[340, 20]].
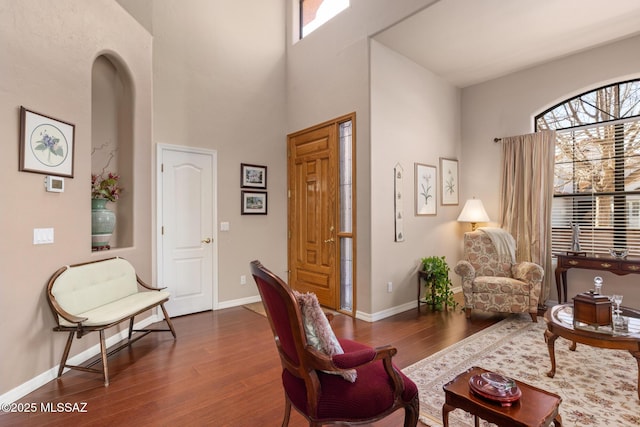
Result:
[[218, 83], [506, 106], [47, 50], [414, 119], [327, 77]]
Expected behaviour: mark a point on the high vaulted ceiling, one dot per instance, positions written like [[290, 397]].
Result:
[[470, 41]]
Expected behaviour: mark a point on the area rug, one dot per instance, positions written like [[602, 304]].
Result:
[[598, 386]]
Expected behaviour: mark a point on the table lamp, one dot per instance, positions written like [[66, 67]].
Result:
[[474, 213]]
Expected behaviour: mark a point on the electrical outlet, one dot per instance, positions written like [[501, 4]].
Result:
[[389, 287], [243, 280]]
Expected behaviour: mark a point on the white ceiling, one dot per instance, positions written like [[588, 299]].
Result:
[[470, 41]]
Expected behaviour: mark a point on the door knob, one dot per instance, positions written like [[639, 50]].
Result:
[[329, 240], [207, 240]]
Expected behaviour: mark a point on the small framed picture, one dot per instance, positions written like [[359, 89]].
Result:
[[253, 176], [448, 181], [46, 144], [254, 202], [425, 187]]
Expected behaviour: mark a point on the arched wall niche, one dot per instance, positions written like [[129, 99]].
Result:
[[112, 96]]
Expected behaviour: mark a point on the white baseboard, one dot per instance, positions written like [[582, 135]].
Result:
[[238, 302], [40, 380], [368, 317]]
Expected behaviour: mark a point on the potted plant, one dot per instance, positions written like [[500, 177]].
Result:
[[438, 291], [105, 188]]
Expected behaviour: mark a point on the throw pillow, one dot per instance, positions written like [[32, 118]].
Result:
[[318, 330]]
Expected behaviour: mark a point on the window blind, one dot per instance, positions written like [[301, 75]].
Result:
[[597, 187]]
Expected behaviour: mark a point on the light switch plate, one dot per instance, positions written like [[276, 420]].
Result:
[[42, 236], [224, 226]]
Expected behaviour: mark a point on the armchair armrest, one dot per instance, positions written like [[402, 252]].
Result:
[[350, 360], [527, 272], [362, 357], [532, 274], [354, 359], [337, 362], [465, 270]]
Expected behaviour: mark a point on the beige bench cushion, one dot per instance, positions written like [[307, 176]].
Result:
[[120, 309], [82, 288]]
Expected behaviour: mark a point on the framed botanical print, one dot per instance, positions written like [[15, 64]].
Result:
[[449, 187], [425, 189], [46, 144]]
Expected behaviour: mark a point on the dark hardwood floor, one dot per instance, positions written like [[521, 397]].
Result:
[[223, 370]]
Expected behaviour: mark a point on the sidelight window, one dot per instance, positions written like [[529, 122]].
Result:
[[345, 233]]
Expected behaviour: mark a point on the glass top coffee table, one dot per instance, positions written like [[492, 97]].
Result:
[[560, 323]]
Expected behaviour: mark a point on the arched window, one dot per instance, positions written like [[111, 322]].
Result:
[[597, 169]]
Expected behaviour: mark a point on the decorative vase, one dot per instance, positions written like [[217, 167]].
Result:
[[103, 221]]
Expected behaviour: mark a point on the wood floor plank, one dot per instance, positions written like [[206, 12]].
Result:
[[223, 370]]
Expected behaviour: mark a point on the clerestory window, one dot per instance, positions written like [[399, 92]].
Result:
[[597, 169], [314, 13]]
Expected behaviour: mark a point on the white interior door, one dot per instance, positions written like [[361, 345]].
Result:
[[187, 244]]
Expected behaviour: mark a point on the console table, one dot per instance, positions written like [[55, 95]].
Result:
[[602, 262]]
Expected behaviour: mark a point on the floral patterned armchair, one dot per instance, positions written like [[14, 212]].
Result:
[[491, 283]]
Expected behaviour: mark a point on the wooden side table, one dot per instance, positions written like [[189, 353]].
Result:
[[423, 275], [536, 407]]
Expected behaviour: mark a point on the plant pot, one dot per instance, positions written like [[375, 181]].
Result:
[[103, 222]]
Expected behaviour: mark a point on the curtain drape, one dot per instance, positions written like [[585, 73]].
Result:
[[527, 193]]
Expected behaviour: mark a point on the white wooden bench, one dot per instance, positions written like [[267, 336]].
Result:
[[97, 295]]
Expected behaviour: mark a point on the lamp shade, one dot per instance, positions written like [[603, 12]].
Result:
[[473, 212]]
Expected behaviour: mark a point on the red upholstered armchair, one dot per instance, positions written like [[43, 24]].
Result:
[[312, 380]]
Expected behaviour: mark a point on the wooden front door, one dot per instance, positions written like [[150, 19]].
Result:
[[313, 179]]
